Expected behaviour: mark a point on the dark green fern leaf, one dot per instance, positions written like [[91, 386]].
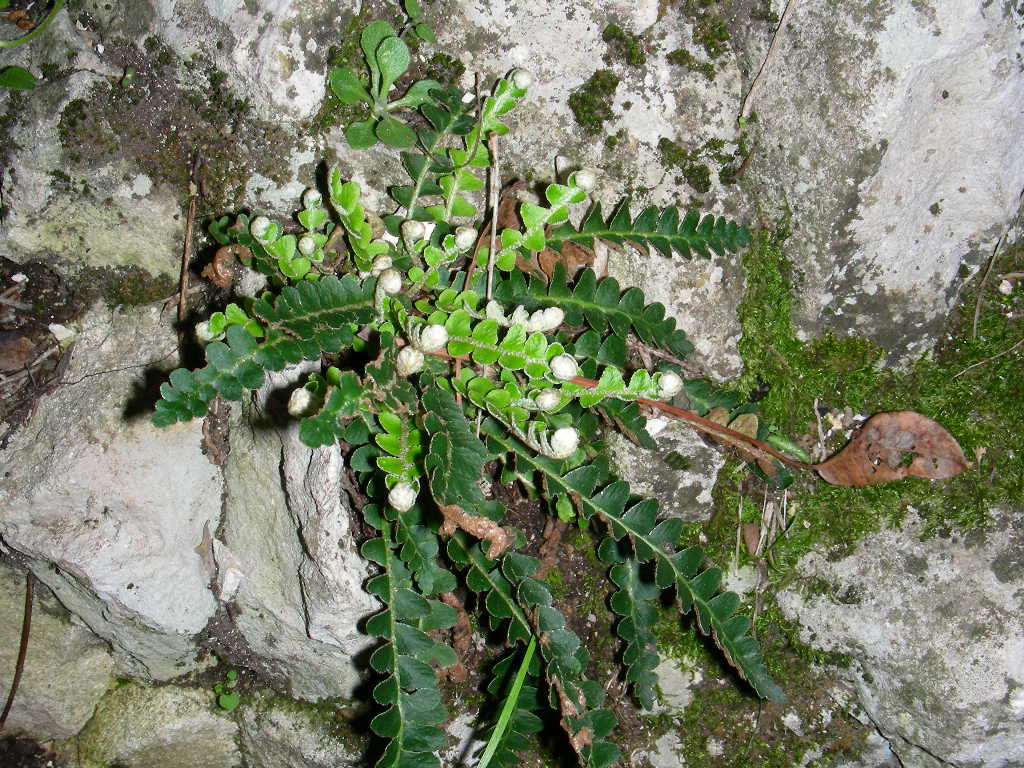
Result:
[[650, 540], [484, 577], [601, 304], [565, 661], [418, 548], [634, 602], [628, 420], [341, 403], [409, 693], [653, 540], [702, 396], [661, 229], [455, 458], [302, 323], [319, 314]]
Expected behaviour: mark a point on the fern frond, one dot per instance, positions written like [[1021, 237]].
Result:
[[516, 350], [695, 589], [305, 321], [484, 577], [650, 540], [601, 304], [454, 463], [447, 117], [455, 457], [634, 603], [565, 661], [626, 417], [341, 403], [661, 229], [703, 397], [418, 547], [409, 689]]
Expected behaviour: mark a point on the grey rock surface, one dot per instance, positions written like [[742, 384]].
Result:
[[274, 734], [67, 668], [886, 131], [300, 598], [137, 726], [110, 509], [935, 632], [680, 472]]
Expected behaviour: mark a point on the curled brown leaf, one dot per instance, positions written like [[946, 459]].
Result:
[[891, 446]]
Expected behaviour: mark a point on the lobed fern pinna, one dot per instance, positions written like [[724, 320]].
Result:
[[456, 361]]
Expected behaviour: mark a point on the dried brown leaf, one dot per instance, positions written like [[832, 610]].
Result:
[[573, 257], [891, 446]]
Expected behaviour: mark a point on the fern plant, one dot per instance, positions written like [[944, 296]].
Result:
[[457, 360]]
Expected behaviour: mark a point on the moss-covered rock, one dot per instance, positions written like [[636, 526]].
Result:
[[138, 726]]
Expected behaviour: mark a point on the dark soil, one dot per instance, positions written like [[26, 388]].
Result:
[[34, 296], [21, 753]]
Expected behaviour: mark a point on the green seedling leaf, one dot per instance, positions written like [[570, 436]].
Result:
[[417, 95], [229, 701], [393, 132], [360, 135], [425, 33], [347, 88], [17, 78], [373, 35], [392, 60]]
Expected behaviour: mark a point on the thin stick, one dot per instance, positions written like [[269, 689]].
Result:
[[186, 251], [989, 359], [492, 145], [981, 287], [1012, 276], [26, 629], [698, 422], [755, 86]]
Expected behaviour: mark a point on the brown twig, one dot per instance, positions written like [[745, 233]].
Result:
[[743, 166], [989, 359], [26, 372], [981, 288], [186, 251], [462, 636], [26, 629], [755, 86], [554, 529], [710, 427]]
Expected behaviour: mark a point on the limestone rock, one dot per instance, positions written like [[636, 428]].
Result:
[[274, 734], [137, 726], [679, 474], [110, 509], [300, 598], [935, 629], [868, 133], [67, 669]]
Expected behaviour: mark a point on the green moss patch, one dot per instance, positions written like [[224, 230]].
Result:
[[591, 103], [693, 171], [683, 58], [980, 406], [623, 46]]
